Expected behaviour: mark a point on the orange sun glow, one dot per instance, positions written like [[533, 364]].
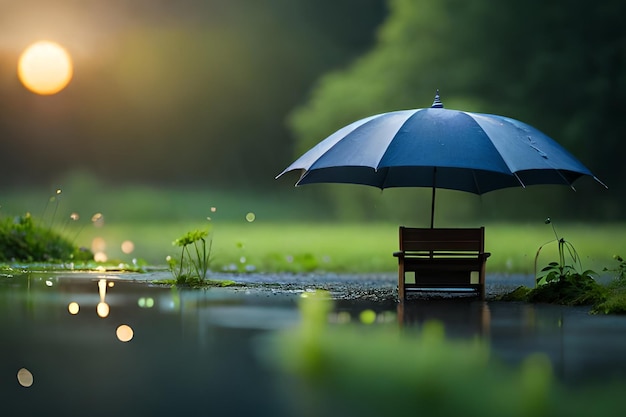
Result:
[[45, 68]]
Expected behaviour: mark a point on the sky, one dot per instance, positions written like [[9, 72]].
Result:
[[168, 91]]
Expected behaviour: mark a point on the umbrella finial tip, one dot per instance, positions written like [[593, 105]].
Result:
[[437, 104]]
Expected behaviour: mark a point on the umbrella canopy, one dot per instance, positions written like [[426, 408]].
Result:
[[439, 148]]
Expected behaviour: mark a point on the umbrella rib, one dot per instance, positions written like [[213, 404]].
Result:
[[520, 180], [476, 182], [384, 181]]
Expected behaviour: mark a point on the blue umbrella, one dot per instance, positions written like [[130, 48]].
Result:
[[439, 148]]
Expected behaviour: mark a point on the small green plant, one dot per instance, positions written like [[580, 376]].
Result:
[[195, 257], [559, 271], [563, 283]]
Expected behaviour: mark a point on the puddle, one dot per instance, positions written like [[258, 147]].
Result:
[[105, 343]]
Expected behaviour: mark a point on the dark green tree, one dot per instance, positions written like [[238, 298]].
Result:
[[556, 64]]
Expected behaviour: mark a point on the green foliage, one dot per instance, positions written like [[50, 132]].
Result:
[[195, 257], [483, 58], [22, 240]]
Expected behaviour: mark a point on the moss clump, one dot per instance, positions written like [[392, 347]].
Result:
[[615, 302], [518, 294], [197, 283], [575, 290], [22, 240]]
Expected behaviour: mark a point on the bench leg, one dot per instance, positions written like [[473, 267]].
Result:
[[401, 289], [481, 281]]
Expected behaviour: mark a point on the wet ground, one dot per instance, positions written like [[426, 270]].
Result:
[[65, 345]]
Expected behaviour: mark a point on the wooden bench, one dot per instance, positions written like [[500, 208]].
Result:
[[441, 260]]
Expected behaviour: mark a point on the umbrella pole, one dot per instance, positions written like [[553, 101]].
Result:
[[432, 211], [432, 207]]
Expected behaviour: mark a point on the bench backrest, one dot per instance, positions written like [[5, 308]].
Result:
[[442, 240]]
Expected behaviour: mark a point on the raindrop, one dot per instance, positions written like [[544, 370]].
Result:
[[97, 220]]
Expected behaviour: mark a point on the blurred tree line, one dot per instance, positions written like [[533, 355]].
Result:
[[559, 65], [226, 93]]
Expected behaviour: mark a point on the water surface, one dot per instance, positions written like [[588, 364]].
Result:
[[102, 344]]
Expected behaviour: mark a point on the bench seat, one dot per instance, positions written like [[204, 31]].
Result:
[[441, 260]]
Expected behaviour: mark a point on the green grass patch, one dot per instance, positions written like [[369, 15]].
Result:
[[271, 246]]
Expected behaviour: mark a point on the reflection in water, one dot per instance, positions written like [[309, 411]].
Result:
[[102, 308], [124, 333], [25, 377], [465, 317], [73, 308], [367, 316], [145, 302]]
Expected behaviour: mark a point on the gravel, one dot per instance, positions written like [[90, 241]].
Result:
[[373, 287]]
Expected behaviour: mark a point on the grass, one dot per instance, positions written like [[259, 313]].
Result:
[[290, 232], [348, 247]]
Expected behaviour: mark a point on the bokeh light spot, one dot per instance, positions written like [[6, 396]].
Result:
[[100, 257], [124, 333], [102, 309], [128, 246], [25, 377], [145, 302], [73, 308], [250, 217], [98, 244], [367, 316]]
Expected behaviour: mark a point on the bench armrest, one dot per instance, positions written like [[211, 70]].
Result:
[[399, 254], [484, 255]]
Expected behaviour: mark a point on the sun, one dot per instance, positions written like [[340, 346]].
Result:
[[45, 68]]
